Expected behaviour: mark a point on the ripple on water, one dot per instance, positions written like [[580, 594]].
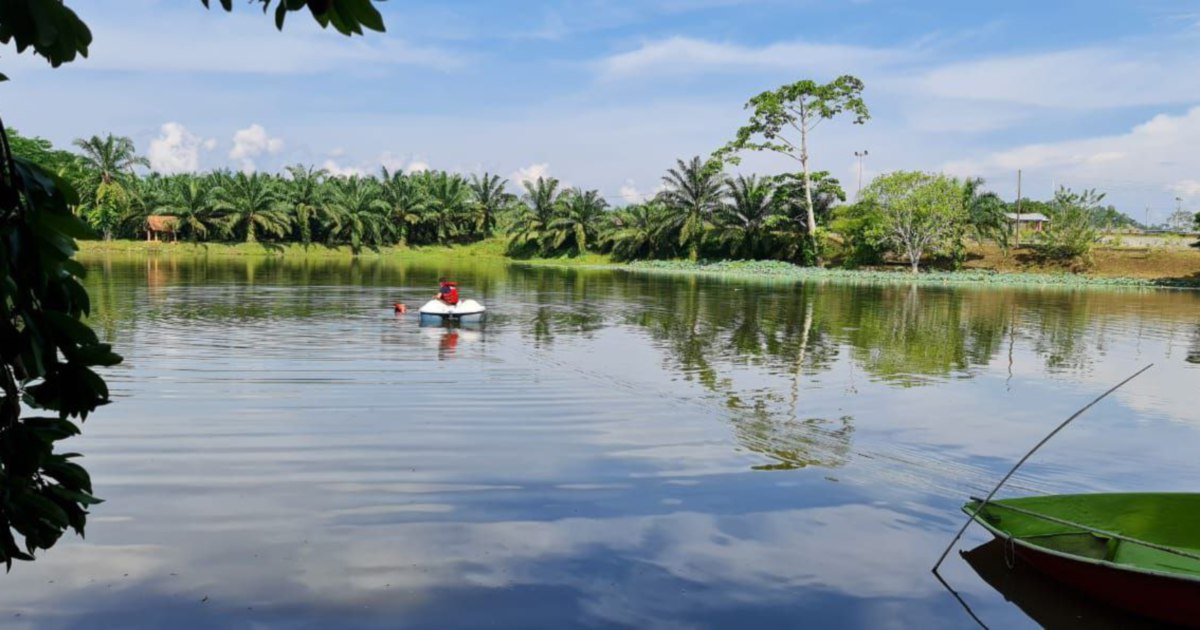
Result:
[[609, 449]]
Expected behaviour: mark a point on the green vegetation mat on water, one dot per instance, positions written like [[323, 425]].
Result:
[[787, 271]]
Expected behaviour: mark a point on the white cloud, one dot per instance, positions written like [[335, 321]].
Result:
[[684, 55], [177, 150], [1152, 158], [252, 142], [1186, 188], [392, 162], [1074, 79], [395, 163], [338, 170], [529, 173], [243, 43], [630, 193]]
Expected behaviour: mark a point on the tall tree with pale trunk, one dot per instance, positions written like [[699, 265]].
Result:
[[783, 120]]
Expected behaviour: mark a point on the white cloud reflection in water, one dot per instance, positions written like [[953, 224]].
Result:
[[301, 458]]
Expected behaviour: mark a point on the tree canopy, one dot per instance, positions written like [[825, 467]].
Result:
[[782, 119], [918, 212]]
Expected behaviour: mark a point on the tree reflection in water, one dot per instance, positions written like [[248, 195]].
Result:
[[734, 338]]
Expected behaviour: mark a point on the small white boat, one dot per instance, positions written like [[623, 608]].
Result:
[[437, 311]]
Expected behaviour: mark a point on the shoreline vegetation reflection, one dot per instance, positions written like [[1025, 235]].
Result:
[[608, 448], [905, 337]]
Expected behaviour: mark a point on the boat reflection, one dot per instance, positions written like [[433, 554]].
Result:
[[1045, 601], [448, 336]]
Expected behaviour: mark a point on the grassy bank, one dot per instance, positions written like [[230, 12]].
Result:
[[775, 270], [491, 249], [1112, 268], [484, 249]]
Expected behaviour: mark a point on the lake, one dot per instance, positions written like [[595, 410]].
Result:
[[609, 449]]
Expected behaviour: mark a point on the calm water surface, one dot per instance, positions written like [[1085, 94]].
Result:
[[609, 450]]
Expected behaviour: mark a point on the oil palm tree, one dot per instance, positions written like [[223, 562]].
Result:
[[447, 204], [305, 193], [693, 193], [358, 212], [745, 219], [109, 163], [250, 204], [789, 225], [539, 206], [635, 232], [406, 200], [147, 196], [985, 213], [110, 159], [578, 220], [490, 200], [191, 200]]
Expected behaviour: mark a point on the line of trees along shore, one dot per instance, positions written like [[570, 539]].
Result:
[[701, 211]]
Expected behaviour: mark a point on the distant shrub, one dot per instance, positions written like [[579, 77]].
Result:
[[864, 241], [1072, 232]]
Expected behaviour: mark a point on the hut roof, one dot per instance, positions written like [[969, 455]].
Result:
[[160, 223], [1032, 217]]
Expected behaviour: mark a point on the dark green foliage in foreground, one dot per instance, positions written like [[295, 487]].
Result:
[[56, 33], [47, 356], [47, 352]]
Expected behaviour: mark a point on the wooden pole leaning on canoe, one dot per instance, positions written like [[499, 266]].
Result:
[[1060, 427]]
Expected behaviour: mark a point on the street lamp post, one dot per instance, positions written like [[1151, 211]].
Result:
[[860, 155]]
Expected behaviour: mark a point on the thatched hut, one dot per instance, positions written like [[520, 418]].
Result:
[[159, 226]]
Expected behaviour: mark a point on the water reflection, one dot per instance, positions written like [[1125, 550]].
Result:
[[1047, 602], [796, 444], [611, 450]]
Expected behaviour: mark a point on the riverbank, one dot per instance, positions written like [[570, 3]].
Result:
[[781, 271], [489, 250], [1111, 267]]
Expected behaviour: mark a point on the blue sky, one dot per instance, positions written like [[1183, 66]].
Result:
[[607, 94]]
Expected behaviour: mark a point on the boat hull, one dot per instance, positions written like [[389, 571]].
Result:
[[1090, 543], [1160, 597], [1042, 598], [466, 311]]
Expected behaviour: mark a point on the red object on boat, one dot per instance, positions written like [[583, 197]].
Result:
[[449, 292]]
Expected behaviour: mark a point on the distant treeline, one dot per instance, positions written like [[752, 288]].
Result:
[[700, 211]]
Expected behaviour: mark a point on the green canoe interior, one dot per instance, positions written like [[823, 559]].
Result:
[[1168, 520]]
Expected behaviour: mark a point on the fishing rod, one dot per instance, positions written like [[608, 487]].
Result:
[[1060, 427]]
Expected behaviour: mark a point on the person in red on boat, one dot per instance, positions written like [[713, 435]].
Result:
[[448, 292]]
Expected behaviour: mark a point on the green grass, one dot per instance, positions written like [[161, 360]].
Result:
[[494, 250], [490, 249], [776, 270]]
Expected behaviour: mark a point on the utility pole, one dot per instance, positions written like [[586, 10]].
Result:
[[860, 155], [1017, 223]]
